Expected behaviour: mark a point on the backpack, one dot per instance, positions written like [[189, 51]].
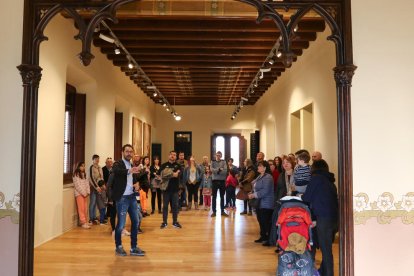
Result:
[[294, 217]]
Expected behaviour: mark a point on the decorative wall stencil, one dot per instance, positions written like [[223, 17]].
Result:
[[161, 7], [214, 7], [10, 208], [385, 208]]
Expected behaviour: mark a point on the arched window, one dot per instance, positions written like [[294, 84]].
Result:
[[235, 150], [220, 146], [231, 145]]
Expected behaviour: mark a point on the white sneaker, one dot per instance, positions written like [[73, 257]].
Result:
[[86, 226]]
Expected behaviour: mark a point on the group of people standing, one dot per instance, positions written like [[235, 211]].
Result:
[[123, 188], [292, 175]]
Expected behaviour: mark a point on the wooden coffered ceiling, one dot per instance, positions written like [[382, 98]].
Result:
[[201, 52]]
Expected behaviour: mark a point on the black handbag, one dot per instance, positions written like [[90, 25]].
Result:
[[254, 203]]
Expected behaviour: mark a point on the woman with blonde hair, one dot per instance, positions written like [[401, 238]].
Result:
[[192, 178]]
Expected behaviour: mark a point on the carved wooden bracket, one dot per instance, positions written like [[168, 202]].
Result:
[[31, 74], [343, 74]]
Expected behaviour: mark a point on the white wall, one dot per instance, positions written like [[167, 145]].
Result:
[[202, 121], [383, 135], [107, 89], [11, 93], [309, 80]]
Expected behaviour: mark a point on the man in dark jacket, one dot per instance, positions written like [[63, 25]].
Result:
[[123, 194], [322, 196], [170, 194]]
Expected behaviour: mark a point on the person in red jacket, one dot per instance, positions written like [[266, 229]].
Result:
[[231, 184]]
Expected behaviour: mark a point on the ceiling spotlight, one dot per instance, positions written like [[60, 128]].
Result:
[[244, 99], [168, 109], [155, 94], [130, 65], [265, 70], [279, 54], [164, 104], [233, 117], [271, 61], [106, 38], [117, 51], [255, 84], [296, 28], [177, 117], [261, 75], [252, 91]]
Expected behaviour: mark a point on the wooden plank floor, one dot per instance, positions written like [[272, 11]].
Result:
[[204, 246]]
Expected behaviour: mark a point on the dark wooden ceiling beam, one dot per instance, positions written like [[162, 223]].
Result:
[[199, 44], [189, 64], [194, 59], [126, 36], [210, 24], [200, 52]]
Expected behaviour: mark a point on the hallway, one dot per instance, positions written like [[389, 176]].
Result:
[[204, 246]]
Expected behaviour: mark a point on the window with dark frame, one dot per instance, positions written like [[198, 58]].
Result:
[[231, 145], [74, 132]]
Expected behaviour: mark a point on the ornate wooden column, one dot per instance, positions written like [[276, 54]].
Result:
[[31, 75], [343, 77]]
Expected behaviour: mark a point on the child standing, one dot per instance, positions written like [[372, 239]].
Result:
[[302, 173], [82, 191], [206, 187], [231, 184]]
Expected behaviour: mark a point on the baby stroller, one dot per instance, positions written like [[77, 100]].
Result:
[[294, 238]]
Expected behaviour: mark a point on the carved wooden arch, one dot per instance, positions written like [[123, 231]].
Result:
[[37, 15]]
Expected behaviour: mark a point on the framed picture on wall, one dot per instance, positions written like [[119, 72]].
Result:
[[147, 140], [137, 135]]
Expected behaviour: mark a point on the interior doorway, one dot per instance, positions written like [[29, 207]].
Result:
[[183, 142], [31, 70], [302, 129]]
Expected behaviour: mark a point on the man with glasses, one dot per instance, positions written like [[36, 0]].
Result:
[[123, 195], [219, 174]]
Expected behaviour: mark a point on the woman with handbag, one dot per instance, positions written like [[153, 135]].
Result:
[[264, 194], [155, 184], [245, 184]]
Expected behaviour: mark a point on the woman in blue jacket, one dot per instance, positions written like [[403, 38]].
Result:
[[264, 192]]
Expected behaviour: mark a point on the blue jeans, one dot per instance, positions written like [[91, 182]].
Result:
[[127, 204], [92, 205], [230, 196], [102, 215]]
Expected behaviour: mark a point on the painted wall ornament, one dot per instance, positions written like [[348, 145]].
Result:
[[385, 208]]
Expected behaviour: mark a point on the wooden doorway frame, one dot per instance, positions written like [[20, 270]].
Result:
[[38, 13]]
